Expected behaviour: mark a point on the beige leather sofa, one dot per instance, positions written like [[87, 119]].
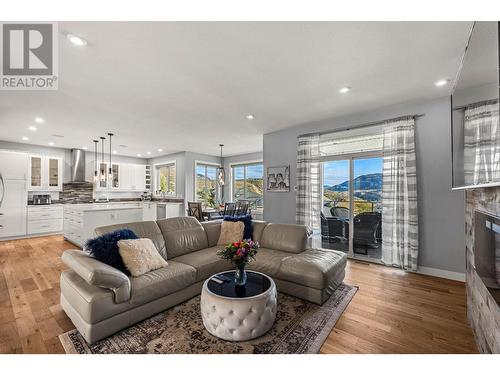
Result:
[[100, 300]]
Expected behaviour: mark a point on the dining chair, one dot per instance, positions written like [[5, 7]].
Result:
[[230, 209], [194, 209], [242, 208]]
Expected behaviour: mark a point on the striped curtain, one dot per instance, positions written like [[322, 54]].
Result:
[[309, 184], [399, 195], [481, 143]]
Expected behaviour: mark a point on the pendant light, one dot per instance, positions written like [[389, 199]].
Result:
[[221, 177], [221, 173], [110, 169], [102, 166], [95, 160]]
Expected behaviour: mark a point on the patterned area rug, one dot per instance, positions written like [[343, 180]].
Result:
[[300, 327]]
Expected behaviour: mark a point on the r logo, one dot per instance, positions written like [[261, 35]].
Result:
[[27, 49]]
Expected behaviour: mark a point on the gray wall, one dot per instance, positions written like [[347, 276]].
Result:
[[441, 211], [185, 164]]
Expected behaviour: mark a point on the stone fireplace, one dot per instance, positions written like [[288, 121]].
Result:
[[483, 310]]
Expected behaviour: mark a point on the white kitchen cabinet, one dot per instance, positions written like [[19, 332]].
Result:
[[13, 209], [132, 177], [13, 193], [80, 221], [149, 211], [45, 173], [45, 219]]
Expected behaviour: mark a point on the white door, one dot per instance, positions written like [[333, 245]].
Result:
[[13, 165], [13, 208]]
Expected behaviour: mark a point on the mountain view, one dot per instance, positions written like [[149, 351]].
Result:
[[367, 193]]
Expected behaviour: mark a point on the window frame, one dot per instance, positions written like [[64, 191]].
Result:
[[206, 164], [245, 164], [156, 168]]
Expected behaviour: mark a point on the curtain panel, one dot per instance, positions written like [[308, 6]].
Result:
[[399, 195], [309, 183], [481, 143]]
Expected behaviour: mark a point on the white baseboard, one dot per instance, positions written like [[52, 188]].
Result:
[[441, 273]]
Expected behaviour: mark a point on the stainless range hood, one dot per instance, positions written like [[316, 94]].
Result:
[[77, 165]]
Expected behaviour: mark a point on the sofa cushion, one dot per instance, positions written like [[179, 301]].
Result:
[[247, 221], [258, 229], [104, 248], [206, 262], [140, 256], [182, 235], [268, 261], [161, 282], [313, 268], [212, 229], [230, 232], [285, 237], [143, 229]]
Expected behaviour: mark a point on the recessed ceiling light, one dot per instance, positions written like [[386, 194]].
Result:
[[32, 128], [160, 150], [250, 117], [149, 152], [51, 143], [139, 155], [114, 151], [39, 120], [76, 40], [25, 138], [345, 89], [442, 82], [84, 148]]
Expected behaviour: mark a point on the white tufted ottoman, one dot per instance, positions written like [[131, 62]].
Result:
[[237, 314]]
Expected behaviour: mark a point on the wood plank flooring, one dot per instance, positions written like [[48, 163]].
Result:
[[393, 311]]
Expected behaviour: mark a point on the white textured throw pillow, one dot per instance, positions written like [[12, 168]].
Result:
[[140, 256], [231, 231]]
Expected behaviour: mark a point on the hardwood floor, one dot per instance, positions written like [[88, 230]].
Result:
[[393, 311]]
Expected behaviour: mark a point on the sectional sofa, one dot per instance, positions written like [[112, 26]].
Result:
[[100, 300]]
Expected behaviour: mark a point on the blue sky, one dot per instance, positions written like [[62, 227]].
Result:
[[253, 171], [336, 172]]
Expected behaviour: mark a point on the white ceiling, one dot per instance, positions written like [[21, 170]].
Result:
[[188, 86]]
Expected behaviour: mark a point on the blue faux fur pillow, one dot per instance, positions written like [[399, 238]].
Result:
[[247, 220], [105, 248]]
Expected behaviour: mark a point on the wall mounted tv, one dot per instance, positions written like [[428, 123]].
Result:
[[475, 106]]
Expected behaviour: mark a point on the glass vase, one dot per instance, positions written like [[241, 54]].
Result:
[[240, 276]]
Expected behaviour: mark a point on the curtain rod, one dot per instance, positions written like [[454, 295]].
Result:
[[482, 102], [379, 122]]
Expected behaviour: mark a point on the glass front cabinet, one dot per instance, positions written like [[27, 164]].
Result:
[[45, 173]]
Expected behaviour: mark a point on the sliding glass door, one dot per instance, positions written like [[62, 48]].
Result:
[[336, 205], [352, 198]]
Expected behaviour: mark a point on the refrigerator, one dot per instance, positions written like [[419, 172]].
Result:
[[13, 193]]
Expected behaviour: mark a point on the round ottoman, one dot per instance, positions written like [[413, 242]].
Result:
[[236, 313]]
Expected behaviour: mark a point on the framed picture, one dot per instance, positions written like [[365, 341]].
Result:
[[278, 179]]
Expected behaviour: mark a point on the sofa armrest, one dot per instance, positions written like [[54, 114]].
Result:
[[98, 274]]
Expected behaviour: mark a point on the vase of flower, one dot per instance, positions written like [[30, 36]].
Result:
[[240, 254], [240, 276]]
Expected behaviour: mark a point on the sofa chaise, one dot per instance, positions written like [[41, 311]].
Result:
[[100, 300]]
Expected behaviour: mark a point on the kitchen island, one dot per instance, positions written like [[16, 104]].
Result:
[[80, 220]]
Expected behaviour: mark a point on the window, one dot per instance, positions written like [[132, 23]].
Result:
[[248, 183], [165, 182], [206, 184]]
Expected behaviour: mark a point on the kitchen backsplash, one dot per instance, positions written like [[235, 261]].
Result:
[[77, 192]]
